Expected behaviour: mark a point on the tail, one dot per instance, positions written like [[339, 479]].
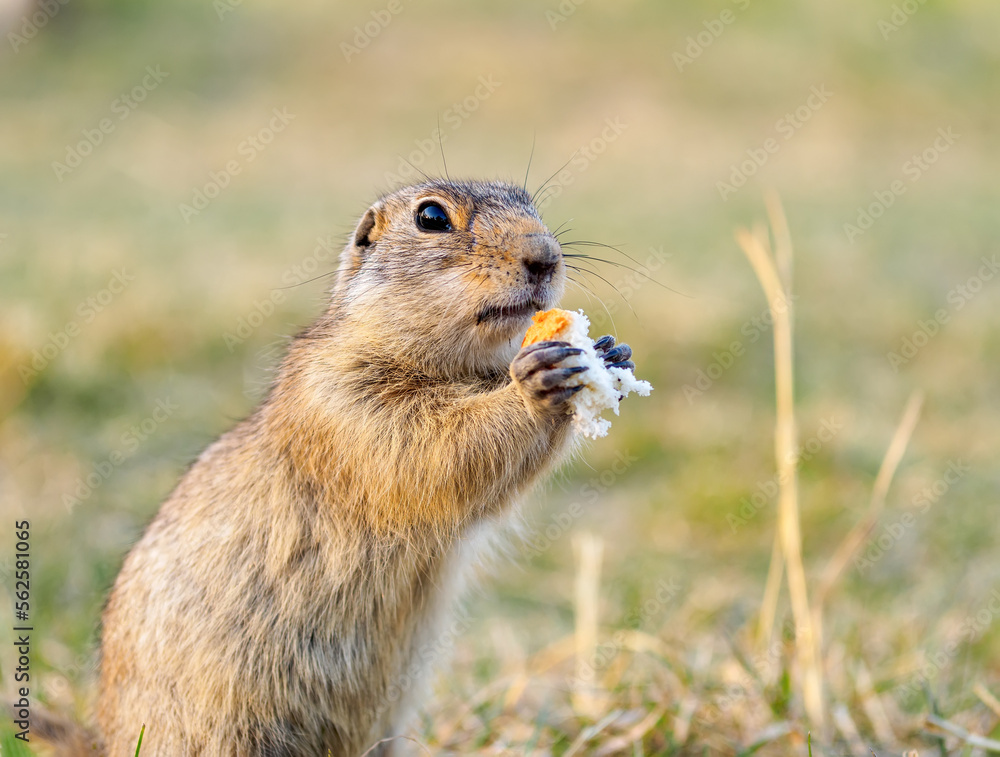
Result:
[[68, 738]]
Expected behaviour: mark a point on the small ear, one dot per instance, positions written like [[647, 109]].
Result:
[[370, 228]]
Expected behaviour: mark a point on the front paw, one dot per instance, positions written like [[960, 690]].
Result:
[[542, 380], [614, 357]]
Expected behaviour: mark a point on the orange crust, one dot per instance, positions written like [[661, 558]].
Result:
[[547, 325]]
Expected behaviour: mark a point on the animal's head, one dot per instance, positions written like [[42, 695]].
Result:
[[449, 273]]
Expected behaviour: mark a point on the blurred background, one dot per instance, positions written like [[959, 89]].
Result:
[[177, 178]]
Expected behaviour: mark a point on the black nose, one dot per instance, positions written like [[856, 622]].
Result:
[[541, 258]]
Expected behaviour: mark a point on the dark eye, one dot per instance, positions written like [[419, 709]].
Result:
[[431, 217]]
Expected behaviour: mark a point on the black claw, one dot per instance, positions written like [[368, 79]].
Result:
[[558, 396], [627, 364], [604, 343], [562, 393], [555, 377], [542, 357], [621, 352], [553, 355], [539, 346], [565, 348]]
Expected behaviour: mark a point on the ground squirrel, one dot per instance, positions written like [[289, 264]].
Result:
[[283, 600]]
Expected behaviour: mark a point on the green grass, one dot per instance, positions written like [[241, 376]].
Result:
[[11, 746], [688, 675]]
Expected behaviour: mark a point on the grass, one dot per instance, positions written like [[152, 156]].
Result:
[[13, 747], [788, 540], [650, 610], [783, 700]]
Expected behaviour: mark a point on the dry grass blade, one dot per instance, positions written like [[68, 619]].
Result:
[[934, 724], [590, 732], [685, 714], [987, 698], [848, 730], [374, 747], [782, 238], [768, 735], [772, 590], [872, 705], [783, 260], [516, 690], [620, 744], [857, 535], [755, 247], [589, 550], [454, 725]]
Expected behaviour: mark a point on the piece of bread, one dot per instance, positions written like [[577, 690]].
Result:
[[604, 387], [548, 326]]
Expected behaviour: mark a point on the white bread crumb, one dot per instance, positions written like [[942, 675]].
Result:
[[604, 387]]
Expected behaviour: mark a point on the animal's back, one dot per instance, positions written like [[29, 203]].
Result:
[[262, 615]]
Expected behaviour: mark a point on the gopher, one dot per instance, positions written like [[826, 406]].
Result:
[[289, 596]]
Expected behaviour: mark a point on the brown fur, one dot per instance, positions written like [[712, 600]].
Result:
[[290, 595]]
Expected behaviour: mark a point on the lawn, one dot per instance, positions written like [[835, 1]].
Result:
[[175, 184]]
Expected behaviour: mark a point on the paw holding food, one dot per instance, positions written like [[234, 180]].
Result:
[[606, 376], [544, 371]]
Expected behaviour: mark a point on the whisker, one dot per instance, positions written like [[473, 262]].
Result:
[[530, 156], [583, 287], [615, 263], [544, 183], [547, 192], [307, 281], [560, 231], [428, 178], [441, 147], [589, 243], [586, 290], [627, 303], [575, 268], [644, 273]]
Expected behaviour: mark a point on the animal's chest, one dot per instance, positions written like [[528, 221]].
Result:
[[371, 627]]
